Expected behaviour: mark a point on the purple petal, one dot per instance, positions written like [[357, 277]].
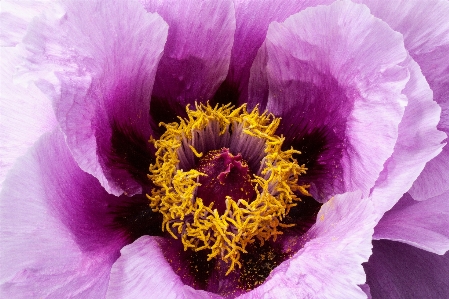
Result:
[[252, 20], [336, 69], [418, 142], [196, 56], [329, 265], [26, 113], [15, 16], [426, 36], [420, 224], [366, 289], [397, 270], [104, 55], [434, 179], [56, 232], [142, 271]]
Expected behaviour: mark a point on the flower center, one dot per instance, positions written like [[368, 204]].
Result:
[[222, 180], [226, 175]]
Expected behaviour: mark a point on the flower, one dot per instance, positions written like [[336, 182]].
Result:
[[357, 88]]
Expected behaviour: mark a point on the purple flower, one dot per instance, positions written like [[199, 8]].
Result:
[[360, 89]]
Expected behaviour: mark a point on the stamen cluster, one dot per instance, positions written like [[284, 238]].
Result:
[[201, 227]]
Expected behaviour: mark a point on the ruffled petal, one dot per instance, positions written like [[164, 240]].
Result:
[[143, 272], [26, 113], [426, 36], [196, 56], [420, 224], [335, 72], [15, 16], [252, 20], [418, 142], [55, 230], [98, 60], [434, 179], [330, 264], [397, 270]]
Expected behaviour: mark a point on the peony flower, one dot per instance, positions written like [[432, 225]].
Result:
[[275, 149]]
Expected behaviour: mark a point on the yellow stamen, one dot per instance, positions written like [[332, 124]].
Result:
[[225, 235], [199, 155]]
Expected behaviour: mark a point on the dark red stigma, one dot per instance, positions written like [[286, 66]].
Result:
[[227, 175]]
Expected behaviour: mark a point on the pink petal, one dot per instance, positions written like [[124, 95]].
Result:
[[337, 69], [98, 60], [434, 179], [26, 113], [142, 272], [252, 20], [330, 264], [421, 224], [418, 142], [426, 36], [56, 234], [196, 56], [398, 270], [365, 287], [15, 16]]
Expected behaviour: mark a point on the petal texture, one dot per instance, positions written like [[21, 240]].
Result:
[[434, 179], [98, 60], [15, 16], [26, 113], [418, 142], [142, 271], [329, 265], [420, 224], [426, 36], [56, 234], [335, 71], [196, 56], [400, 271], [252, 20]]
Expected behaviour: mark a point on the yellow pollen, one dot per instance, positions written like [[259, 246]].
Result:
[[201, 227], [199, 155]]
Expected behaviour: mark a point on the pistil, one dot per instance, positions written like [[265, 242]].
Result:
[[226, 176]]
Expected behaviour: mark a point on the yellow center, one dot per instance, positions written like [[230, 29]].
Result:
[[202, 227]]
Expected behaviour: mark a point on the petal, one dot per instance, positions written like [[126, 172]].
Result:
[[15, 16], [98, 60], [397, 270], [56, 233], [426, 36], [26, 113], [418, 142], [366, 289], [434, 179], [252, 20], [420, 224], [336, 71], [142, 271], [330, 264], [196, 56]]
